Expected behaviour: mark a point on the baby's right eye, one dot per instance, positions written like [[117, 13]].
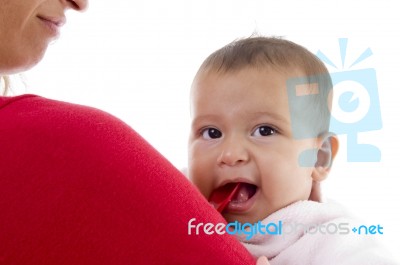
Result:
[[211, 133]]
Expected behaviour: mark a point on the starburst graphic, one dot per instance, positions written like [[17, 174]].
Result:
[[343, 52]]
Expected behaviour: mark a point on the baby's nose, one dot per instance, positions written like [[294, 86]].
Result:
[[233, 153]]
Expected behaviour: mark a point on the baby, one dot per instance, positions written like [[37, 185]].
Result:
[[260, 112]]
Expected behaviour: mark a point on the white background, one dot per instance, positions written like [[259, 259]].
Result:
[[136, 60]]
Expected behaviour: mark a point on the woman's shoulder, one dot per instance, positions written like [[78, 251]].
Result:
[[5, 101], [36, 112], [38, 123], [35, 103]]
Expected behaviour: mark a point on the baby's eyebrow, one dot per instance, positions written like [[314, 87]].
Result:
[[203, 118], [272, 115]]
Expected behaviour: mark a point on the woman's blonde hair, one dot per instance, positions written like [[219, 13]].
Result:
[[4, 85]]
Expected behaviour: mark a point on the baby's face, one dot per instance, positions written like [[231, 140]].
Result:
[[241, 132]]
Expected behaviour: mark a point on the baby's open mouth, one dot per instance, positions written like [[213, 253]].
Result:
[[244, 193], [232, 195]]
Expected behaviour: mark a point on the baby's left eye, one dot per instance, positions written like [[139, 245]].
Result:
[[264, 131]]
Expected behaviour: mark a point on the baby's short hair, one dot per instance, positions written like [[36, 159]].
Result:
[[280, 54]]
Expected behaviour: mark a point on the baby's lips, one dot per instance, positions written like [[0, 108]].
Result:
[[221, 197]]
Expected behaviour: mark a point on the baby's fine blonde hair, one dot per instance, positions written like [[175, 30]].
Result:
[[260, 52]]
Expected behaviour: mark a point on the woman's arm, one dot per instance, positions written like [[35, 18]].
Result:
[[78, 186]]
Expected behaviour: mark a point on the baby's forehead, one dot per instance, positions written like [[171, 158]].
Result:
[[281, 76], [256, 87], [272, 85], [289, 71]]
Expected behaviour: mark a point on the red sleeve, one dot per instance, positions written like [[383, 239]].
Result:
[[78, 186]]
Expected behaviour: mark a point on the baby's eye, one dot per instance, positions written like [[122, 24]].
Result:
[[211, 133], [264, 131]]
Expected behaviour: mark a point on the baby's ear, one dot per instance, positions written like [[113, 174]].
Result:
[[328, 145]]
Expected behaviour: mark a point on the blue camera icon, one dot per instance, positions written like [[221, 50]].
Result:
[[357, 104], [355, 108]]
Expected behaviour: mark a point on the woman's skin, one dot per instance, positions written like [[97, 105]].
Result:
[[26, 29]]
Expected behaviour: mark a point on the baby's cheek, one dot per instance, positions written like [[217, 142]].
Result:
[[200, 180]]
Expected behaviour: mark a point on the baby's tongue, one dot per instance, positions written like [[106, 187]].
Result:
[[231, 194], [243, 194], [221, 197]]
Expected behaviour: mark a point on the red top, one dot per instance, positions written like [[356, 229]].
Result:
[[78, 186]]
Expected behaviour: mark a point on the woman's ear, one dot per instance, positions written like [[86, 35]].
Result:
[[328, 146]]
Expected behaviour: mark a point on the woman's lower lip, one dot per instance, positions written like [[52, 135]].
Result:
[[234, 207], [51, 26]]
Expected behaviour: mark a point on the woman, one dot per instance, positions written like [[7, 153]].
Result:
[[77, 185]]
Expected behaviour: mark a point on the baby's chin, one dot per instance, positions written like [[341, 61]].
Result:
[[245, 218]]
